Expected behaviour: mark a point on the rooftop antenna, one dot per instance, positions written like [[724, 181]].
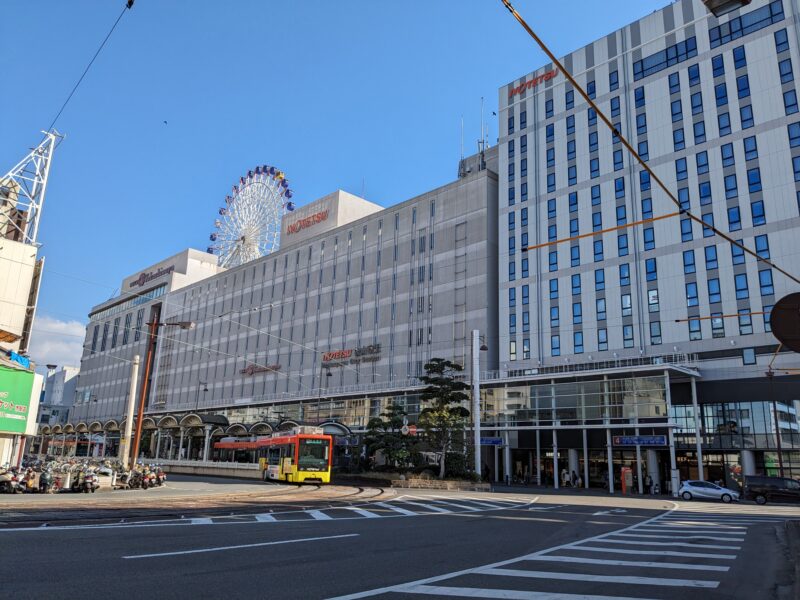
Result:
[[462, 137]]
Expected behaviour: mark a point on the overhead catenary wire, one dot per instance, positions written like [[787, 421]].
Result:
[[128, 6], [633, 151]]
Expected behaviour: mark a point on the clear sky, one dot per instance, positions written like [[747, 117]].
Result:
[[349, 94]]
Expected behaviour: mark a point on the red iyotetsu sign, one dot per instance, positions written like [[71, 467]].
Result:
[[532, 83]]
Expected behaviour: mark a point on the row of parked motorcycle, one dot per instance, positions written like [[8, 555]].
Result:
[[49, 476]]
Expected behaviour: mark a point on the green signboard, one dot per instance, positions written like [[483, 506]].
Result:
[[15, 399]]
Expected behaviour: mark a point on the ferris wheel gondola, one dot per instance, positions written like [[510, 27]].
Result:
[[249, 225]]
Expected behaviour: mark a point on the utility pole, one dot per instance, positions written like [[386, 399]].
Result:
[[125, 442]]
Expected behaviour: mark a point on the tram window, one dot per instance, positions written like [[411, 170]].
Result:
[[274, 455]]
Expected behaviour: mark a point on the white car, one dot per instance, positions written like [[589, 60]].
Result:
[[707, 491]]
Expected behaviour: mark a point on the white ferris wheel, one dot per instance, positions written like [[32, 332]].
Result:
[[249, 225]]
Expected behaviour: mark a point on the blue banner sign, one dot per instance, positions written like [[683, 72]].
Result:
[[491, 441], [639, 440], [18, 358]]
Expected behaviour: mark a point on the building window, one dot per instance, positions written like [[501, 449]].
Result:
[[641, 124], [551, 208], [523, 119], [699, 132], [139, 322], [674, 83], [553, 260], [737, 254], [677, 111], [681, 170], [548, 108], [594, 168], [572, 175], [695, 333], [718, 65], [649, 238], [618, 164], [653, 304], [734, 219], [523, 167], [554, 318], [622, 244], [746, 115], [578, 342], [598, 250], [600, 309], [627, 307], [711, 258], [511, 196], [750, 148], [785, 68], [651, 269], [571, 150], [599, 280], [739, 57], [524, 267], [523, 144], [624, 274], [569, 99], [576, 284], [526, 349], [511, 124], [512, 271], [577, 313], [555, 345], [721, 94], [619, 187], [551, 182], [794, 135], [708, 224], [686, 230], [691, 294], [728, 158], [702, 162], [742, 291], [570, 124], [104, 338], [512, 350], [746, 23], [512, 297], [714, 292], [754, 180], [781, 41], [510, 172], [591, 117], [525, 295], [731, 187], [573, 227], [790, 102], [613, 80], [724, 122], [749, 354], [678, 139], [526, 321], [127, 330], [767, 316], [688, 262], [655, 332], [647, 208], [595, 195], [573, 202], [95, 333], [669, 57], [639, 97], [550, 133], [694, 75], [745, 322], [757, 212], [765, 281], [575, 256], [512, 323], [697, 103], [717, 325], [627, 336], [615, 110], [602, 339], [762, 246]]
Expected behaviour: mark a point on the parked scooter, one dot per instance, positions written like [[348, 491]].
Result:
[[46, 481], [9, 482]]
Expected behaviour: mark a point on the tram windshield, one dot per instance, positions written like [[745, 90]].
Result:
[[313, 455]]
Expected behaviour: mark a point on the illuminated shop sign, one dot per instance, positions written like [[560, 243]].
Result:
[[339, 358], [253, 369], [307, 222], [532, 83], [149, 276]]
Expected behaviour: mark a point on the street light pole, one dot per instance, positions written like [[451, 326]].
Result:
[[477, 348], [125, 442]]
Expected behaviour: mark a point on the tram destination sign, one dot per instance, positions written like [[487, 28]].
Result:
[[639, 440]]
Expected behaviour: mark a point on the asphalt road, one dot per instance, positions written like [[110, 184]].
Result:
[[413, 544]]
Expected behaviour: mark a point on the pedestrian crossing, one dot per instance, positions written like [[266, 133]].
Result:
[[401, 506], [690, 550]]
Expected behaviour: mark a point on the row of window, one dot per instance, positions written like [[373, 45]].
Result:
[[106, 343]]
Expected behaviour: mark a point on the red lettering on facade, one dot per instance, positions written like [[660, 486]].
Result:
[[532, 83], [307, 222]]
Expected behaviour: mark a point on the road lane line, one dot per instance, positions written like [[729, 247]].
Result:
[[628, 579], [436, 590], [397, 509], [222, 548], [658, 552], [362, 512], [319, 515], [626, 563]]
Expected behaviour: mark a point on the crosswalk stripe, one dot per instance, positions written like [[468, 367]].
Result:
[[396, 509], [461, 506], [492, 504], [700, 583], [627, 563], [437, 590], [319, 515], [265, 518], [680, 544], [652, 529], [202, 521], [689, 524], [428, 506], [658, 552], [685, 537], [362, 512]]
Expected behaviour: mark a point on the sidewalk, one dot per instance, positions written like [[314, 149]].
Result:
[[569, 491]]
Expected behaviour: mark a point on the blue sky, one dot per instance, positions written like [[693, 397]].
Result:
[[339, 94]]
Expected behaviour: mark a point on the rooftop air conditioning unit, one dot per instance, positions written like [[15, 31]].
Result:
[[721, 7]]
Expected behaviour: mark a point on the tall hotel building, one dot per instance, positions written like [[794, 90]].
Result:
[[711, 105], [616, 337]]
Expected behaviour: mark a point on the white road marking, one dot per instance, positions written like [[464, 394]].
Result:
[[681, 544], [626, 563], [265, 518], [222, 548], [362, 512], [319, 515], [396, 509], [609, 512], [428, 506], [657, 552], [680, 532], [463, 592], [202, 521], [684, 537], [547, 507], [603, 578], [461, 506]]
